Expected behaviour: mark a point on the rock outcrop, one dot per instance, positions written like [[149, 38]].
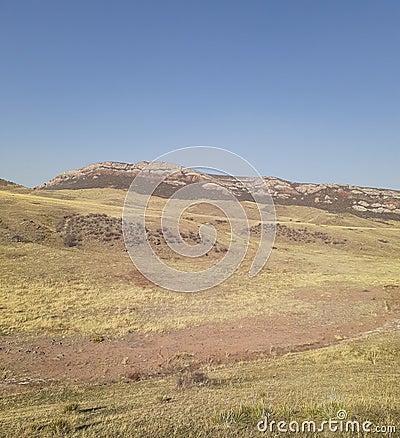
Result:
[[338, 198]]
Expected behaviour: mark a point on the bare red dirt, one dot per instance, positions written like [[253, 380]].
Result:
[[45, 360]]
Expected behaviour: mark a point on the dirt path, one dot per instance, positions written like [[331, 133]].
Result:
[[43, 361]]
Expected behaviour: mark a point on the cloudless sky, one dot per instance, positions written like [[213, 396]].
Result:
[[305, 90]]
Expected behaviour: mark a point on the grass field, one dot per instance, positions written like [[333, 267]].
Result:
[[85, 290], [360, 377], [92, 291]]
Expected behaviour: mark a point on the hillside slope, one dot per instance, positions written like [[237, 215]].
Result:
[[337, 198], [85, 336]]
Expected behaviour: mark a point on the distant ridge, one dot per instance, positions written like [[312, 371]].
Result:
[[362, 201], [4, 185], [98, 175]]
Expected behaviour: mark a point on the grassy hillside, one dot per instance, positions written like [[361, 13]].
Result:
[[92, 348], [84, 289]]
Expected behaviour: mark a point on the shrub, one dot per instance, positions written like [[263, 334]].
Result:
[[190, 378], [70, 240]]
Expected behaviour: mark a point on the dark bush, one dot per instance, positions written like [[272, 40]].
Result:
[[70, 240]]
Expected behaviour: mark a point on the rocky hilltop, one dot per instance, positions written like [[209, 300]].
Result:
[[362, 201]]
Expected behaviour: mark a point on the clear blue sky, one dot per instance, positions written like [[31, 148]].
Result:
[[305, 90]]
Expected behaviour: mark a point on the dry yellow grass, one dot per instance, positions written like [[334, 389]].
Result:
[[360, 377], [47, 288]]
